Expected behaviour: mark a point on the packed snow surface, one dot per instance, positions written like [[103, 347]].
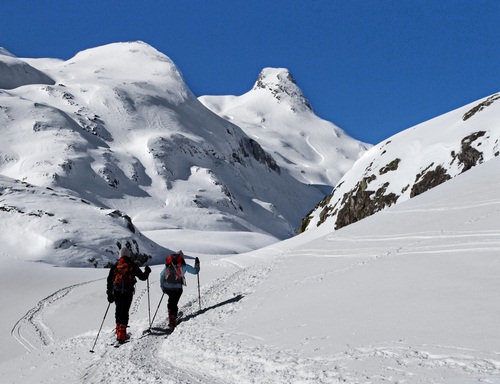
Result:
[[408, 295]]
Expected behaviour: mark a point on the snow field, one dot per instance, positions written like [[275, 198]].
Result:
[[409, 295]]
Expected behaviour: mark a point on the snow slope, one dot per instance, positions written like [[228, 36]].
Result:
[[409, 295], [118, 127], [15, 73], [412, 162]]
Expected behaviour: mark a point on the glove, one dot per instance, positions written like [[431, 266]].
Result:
[[111, 298], [147, 269], [197, 263]]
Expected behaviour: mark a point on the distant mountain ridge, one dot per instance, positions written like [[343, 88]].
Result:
[[117, 127], [412, 162], [276, 113]]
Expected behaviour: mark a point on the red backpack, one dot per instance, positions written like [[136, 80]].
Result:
[[173, 273], [124, 280]]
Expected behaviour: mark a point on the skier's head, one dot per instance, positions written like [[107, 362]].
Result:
[[124, 255], [125, 252]]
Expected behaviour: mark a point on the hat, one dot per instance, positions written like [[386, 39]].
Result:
[[124, 252]]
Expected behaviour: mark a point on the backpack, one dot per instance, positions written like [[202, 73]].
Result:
[[124, 279], [173, 272]]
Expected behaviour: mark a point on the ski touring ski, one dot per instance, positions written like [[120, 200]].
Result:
[[163, 329]]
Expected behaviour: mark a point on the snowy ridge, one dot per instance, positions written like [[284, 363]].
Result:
[[16, 73], [412, 162]]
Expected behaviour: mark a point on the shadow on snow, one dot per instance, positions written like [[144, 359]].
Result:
[[158, 331]]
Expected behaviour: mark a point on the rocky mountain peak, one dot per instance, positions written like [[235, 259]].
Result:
[[282, 86]]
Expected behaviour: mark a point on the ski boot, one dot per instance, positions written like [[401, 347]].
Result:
[[121, 333]]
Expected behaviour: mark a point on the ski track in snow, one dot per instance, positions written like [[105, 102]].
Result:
[[413, 244], [320, 155], [31, 329]]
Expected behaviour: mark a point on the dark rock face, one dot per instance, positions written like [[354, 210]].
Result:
[[392, 166], [250, 147], [478, 108], [283, 87], [360, 202], [469, 156], [428, 180]]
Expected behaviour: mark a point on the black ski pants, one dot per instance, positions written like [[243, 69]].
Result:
[[174, 295], [123, 301]]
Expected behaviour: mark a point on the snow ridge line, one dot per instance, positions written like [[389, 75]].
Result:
[[34, 318]]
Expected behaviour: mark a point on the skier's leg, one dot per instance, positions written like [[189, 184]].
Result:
[[123, 302], [174, 296], [127, 303]]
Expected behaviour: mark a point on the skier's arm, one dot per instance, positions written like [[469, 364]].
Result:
[[162, 278], [109, 285], [191, 269], [141, 275]]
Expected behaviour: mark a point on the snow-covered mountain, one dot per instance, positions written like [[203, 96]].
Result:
[[276, 113], [412, 162], [118, 127]]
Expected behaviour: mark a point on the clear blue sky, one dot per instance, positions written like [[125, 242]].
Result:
[[373, 67]]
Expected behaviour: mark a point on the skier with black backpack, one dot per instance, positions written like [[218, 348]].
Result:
[[121, 287], [172, 281]]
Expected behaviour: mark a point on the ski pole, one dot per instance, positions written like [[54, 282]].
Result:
[[105, 314], [151, 324], [199, 294], [149, 307]]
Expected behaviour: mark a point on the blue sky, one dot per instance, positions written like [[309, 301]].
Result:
[[374, 68]]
